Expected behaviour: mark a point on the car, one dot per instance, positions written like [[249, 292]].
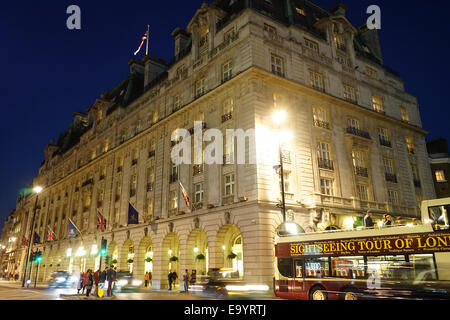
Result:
[[125, 282], [61, 279]]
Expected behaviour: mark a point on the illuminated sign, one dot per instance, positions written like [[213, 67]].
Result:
[[394, 244]]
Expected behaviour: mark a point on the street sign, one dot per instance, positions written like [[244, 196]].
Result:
[[101, 288]]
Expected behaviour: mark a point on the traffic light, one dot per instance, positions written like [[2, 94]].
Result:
[[108, 260], [38, 256], [103, 247], [33, 256]]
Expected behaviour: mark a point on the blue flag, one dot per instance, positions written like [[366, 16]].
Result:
[[133, 215], [36, 238], [72, 229]]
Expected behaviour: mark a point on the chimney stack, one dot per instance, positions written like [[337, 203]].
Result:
[[153, 68], [181, 39], [339, 10]]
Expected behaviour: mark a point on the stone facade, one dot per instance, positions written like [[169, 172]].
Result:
[[231, 73]]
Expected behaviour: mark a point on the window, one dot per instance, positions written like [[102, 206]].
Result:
[[228, 106], [286, 178], [384, 137], [200, 87], [358, 159], [173, 200], [440, 176], [93, 154], [410, 145], [300, 11], [363, 192], [174, 173], [277, 65], [326, 187], [116, 215], [285, 267], [133, 183], [317, 267], [314, 46], [323, 150], [343, 60], [387, 267], [378, 104], [228, 154], [106, 145], [227, 71], [371, 72], [388, 166], [320, 117], [316, 80], [349, 93], [270, 29], [99, 114], [229, 184], [149, 207], [353, 123], [415, 172], [347, 267], [118, 190], [392, 196], [176, 102], [150, 178], [404, 114], [339, 41], [198, 192], [228, 35], [155, 115]]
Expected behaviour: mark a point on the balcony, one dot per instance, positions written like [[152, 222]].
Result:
[[192, 130], [227, 117], [362, 172], [358, 132], [385, 143], [198, 169], [317, 87], [390, 177], [173, 177], [278, 73], [321, 124], [325, 164]]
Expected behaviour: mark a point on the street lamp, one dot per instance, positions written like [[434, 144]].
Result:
[[279, 117], [36, 190]]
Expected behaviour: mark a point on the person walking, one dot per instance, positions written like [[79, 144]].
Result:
[[174, 278], [146, 278], [96, 279], [89, 282], [110, 278], [186, 280], [170, 280], [193, 277], [80, 283], [85, 276], [387, 220], [368, 222]]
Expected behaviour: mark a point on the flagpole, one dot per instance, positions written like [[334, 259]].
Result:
[[81, 235], [148, 36]]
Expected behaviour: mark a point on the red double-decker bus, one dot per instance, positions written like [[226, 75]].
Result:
[[411, 261]]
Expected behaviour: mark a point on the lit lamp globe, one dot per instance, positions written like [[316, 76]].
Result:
[[289, 228], [37, 189], [279, 116]]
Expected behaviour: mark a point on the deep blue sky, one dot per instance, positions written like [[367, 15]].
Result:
[[48, 72]]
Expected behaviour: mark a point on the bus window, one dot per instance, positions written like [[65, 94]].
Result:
[[317, 267], [285, 267], [439, 216], [348, 267], [299, 268], [423, 267], [389, 267]]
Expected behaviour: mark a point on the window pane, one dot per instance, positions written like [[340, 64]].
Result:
[[285, 267], [348, 267], [317, 267], [387, 267]]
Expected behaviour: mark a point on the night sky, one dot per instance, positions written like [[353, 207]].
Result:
[[48, 72]]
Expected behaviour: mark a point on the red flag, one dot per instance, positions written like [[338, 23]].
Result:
[[101, 221], [142, 42], [185, 196], [51, 236]]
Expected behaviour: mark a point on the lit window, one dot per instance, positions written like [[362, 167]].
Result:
[[378, 104], [410, 145], [106, 145], [300, 11], [277, 66], [173, 200], [319, 114], [358, 159], [326, 187], [155, 115], [323, 151], [440, 176], [286, 178], [404, 113], [314, 46], [339, 41], [316, 80]]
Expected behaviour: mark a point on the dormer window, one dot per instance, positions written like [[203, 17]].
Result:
[[300, 11], [99, 114], [339, 41]]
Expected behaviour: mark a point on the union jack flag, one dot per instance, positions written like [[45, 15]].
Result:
[[185, 196], [51, 236], [101, 222]]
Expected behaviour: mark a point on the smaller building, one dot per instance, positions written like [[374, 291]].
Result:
[[440, 166]]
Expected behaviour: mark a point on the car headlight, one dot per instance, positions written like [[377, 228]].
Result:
[[136, 283], [122, 282]]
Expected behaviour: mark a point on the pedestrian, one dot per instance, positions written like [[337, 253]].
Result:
[[110, 278], [186, 280], [416, 221], [85, 276], [368, 222], [170, 280], [399, 221], [96, 279], [16, 277], [174, 278], [193, 277], [80, 282], [89, 282], [387, 222], [146, 278], [114, 280]]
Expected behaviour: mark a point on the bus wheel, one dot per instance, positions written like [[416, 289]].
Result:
[[318, 293], [348, 295]]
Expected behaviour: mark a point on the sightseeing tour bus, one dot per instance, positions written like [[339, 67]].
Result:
[[368, 263]]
